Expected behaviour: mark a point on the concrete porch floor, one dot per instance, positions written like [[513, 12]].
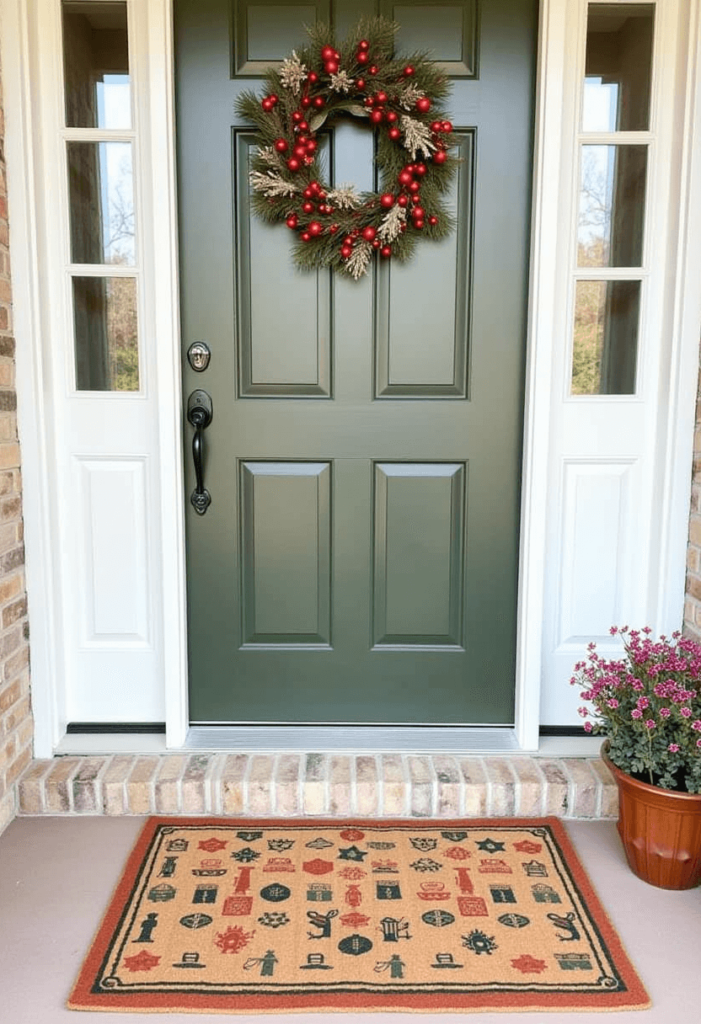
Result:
[[57, 874]]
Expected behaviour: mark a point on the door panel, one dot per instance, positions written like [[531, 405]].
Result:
[[359, 560]]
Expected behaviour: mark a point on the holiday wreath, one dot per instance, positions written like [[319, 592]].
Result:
[[337, 226]]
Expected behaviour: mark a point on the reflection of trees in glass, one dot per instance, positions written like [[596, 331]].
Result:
[[588, 338], [594, 234], [119, 220], [122, 334]]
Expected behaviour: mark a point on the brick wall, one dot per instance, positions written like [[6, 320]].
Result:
[[692, 607], [16, 725]]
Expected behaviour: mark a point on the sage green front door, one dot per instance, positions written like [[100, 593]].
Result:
[[358, 561]]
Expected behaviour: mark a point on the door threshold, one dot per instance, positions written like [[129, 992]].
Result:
[[351, 739]]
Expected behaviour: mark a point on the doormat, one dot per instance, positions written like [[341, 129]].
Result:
[[247, 916]]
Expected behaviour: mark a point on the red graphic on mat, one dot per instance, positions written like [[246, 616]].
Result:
[[433, 891], [354, 896], [243, 881], [143, 961], [353, 835], [527, 964], [237, 906], [352, 874], [318, 866], [276, 864], [457, 853], [233, 940], [472, 906], [526, 846], [463, 879], [354, 920], [211, 845], [494, 866]]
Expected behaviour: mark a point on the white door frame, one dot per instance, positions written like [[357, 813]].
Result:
[[31, 70]]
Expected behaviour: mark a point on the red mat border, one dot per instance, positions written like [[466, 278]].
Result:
[[82, 998]]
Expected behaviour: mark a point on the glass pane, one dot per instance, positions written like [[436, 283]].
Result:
[[618, 68], [101, 202], [96, 65], [106, 335], [605, 337], [612, 206]]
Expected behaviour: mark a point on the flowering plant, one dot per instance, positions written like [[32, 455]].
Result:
[[648, 703]]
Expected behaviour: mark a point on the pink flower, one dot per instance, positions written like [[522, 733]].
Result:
[[686, 712], [651, 724], [674, 747], [643, 702], [665, 712], [588, 727], [583, 712], [696, 725], [636, 713], [612, 703], [698, 743]]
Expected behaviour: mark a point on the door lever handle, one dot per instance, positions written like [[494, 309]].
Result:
[[199, 414]]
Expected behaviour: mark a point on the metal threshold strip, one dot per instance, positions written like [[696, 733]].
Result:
[[354, 738]]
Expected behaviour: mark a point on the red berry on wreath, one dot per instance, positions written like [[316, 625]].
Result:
[[292, 221], [303, 126], [327, 53], [273, 98], [418, 213], [390, 116], [369, 233], [387, 200], [348, 240], [440, 156], [418, 224], [433, 221], [305, 102], [318, 102], [331, 67], [308, 192], [414, 186], [368, 101], [447, 127], [360, 83], [420, 170], [315, 228], [376, 243], [333, 229], [346, 250], [373, 69], [386, 250], [313, 77], [308, 207], [381, 97], [377, 117], [394, 134], [423, 105], [408, 71], [363, 44], [305, 236], [280, 145], [436, 126], [405, 178], [300, 151], [362, 57], [310, 145], [293, 163], [403, 201], [266, 105], [297, 117]]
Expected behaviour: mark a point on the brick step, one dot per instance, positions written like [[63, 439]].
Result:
[[289, 784]]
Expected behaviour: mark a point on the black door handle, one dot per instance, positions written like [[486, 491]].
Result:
[[199, 414]]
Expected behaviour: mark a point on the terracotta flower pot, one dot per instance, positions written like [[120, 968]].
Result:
[[660, 830]]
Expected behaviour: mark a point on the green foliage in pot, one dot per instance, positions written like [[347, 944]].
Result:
[[648, 703]]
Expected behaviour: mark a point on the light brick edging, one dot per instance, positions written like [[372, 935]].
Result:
[[315, 784]]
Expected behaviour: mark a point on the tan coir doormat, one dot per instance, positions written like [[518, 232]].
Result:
[[245, 916]]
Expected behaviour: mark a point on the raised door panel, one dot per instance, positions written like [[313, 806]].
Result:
[[265, 33], [448, 31]]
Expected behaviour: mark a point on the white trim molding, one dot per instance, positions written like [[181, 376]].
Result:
[[644, 468]]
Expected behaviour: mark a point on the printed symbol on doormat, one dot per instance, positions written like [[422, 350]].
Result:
[[249, 837], [526, 846], [352, 853], [237, 906], [143, 961], [502, 894], [233, 940], [433, 891], [494, 866], [319, 844], [211, 845], [463, 879], [352, 874], [245, 856], [394, 929], [385, 867], [266, 963], [528, 964], [275, 864], [315, 962], [319, 893], [489, 845], [457, 853], [162, 893], [388, 891], [205, 894], [352, 835], [190, 961], [472, 906], [479, 942], [177, 846], [275, 893], [544, 894], [355, 945], [147, 926], [318, 866], [426, 864], [423, 843], [438, 918], [354, 920], [567, 924], [574, 961], [534, 869], [243, 880], [273, 920], [195, 920], [444, 961], [322, 921], [211, 867], [381, 846], [280, 845], [353, 896], [168, 867], [514, 920], [395, 965], [454, 837]]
